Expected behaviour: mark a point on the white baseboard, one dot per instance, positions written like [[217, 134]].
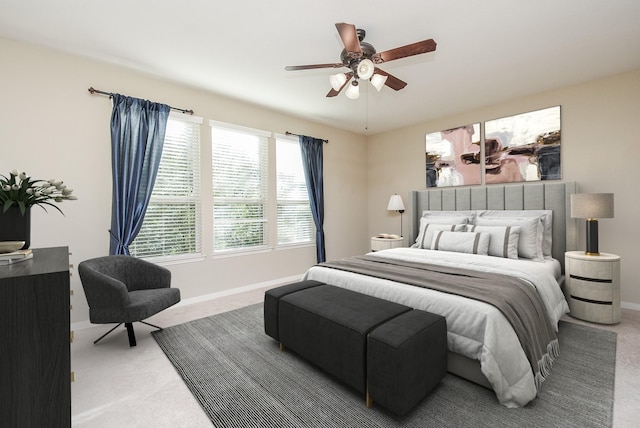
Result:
[[224, 293], [629, 305], [232, 291]]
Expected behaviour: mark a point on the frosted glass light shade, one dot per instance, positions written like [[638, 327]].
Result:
[[592, 205], [365, 69], [337, 80], [378, 81], [353, 91], [395, 203]]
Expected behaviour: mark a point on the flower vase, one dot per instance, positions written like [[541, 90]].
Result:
[[14, 226]]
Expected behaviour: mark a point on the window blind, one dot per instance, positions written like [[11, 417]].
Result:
[[240, 187], [171, 224], [295, 223]]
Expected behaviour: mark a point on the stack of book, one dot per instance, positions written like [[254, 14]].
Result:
[[15, 256]]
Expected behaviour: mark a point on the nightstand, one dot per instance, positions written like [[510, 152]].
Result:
[[378, 244], [593, 286]]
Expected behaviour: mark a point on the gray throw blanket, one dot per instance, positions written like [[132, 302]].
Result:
[[518, 301]]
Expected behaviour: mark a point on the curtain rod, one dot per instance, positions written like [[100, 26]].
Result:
[[298, 135], [110, 94]]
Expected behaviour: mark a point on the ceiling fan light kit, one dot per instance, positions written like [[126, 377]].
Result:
[[361, 57]]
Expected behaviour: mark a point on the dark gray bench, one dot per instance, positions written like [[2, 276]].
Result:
[[393, 354]]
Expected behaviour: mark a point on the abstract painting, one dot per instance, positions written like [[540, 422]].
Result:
[[453, 157], [525, 147]]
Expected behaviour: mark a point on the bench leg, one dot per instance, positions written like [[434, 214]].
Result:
[[368, 400], [282, 346]]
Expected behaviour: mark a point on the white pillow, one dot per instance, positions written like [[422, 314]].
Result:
[[531, 232], [461, 242], [469, 214], [504, 239], [545, 215], [430, 224]]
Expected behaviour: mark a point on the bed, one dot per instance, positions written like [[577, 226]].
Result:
[[484, 345]]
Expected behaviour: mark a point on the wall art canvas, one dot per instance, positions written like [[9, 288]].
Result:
[[453, 157], [524, 147]]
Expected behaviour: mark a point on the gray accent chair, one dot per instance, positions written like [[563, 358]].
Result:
[[124, 289]]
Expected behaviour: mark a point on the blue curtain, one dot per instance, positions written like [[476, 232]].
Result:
[[311, 149], [137, 136]]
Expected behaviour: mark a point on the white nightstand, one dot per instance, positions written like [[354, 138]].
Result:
[[592, 286], [378, 244]]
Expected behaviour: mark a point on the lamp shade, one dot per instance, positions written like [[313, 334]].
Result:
[[395, 203], [337, 80], [365, 69], [378, 81], [353, 91], [592, 205]]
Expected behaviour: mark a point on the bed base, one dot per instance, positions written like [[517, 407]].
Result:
[[466, 368]]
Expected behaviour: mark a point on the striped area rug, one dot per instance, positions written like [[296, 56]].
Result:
[[241, 379]]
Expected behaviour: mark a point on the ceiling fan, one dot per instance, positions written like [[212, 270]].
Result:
[[361, 57]]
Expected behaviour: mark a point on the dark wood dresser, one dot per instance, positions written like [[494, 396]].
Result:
[[35, 366]]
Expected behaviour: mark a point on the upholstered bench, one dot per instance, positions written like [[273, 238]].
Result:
[[346, 334], [406, 359]]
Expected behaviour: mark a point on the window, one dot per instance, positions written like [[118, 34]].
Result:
[[295, 223], [240, 187], [171, 225]]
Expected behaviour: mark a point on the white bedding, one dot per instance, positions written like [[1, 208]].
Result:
[[476, 330]]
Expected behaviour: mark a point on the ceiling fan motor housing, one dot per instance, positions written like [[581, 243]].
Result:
[[352, 59]]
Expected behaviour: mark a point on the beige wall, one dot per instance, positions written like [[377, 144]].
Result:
[[50, 126], [600, 144]]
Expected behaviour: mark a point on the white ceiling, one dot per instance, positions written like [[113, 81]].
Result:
[[488, 51]]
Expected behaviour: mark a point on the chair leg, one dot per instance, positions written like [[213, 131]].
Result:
[[130, 332], [132, 336], [151, 325], [101, 337]]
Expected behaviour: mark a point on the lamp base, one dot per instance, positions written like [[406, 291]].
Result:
[[592, 237]]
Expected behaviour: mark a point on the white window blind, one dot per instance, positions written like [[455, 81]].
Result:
[[171, 225], [240, 187], [295, 223]]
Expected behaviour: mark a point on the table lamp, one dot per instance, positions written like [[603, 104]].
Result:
[[592, 206], [396, 204]]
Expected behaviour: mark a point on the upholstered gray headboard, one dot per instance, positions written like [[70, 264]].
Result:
[[553, 195]]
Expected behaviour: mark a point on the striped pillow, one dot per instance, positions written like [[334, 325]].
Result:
[[428, 226], [461, 242], [504, 239]]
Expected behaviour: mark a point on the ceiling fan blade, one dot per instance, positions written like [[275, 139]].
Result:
[[312, 66], [333, 92], [392, 81], [405, 51], [349, 37]]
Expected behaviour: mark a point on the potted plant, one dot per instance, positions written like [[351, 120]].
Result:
[[18, 193]]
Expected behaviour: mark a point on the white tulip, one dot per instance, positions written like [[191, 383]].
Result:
[[14, 172], [66, 191], [15, 187], [29, 191], [23, 176], [6, 187]]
